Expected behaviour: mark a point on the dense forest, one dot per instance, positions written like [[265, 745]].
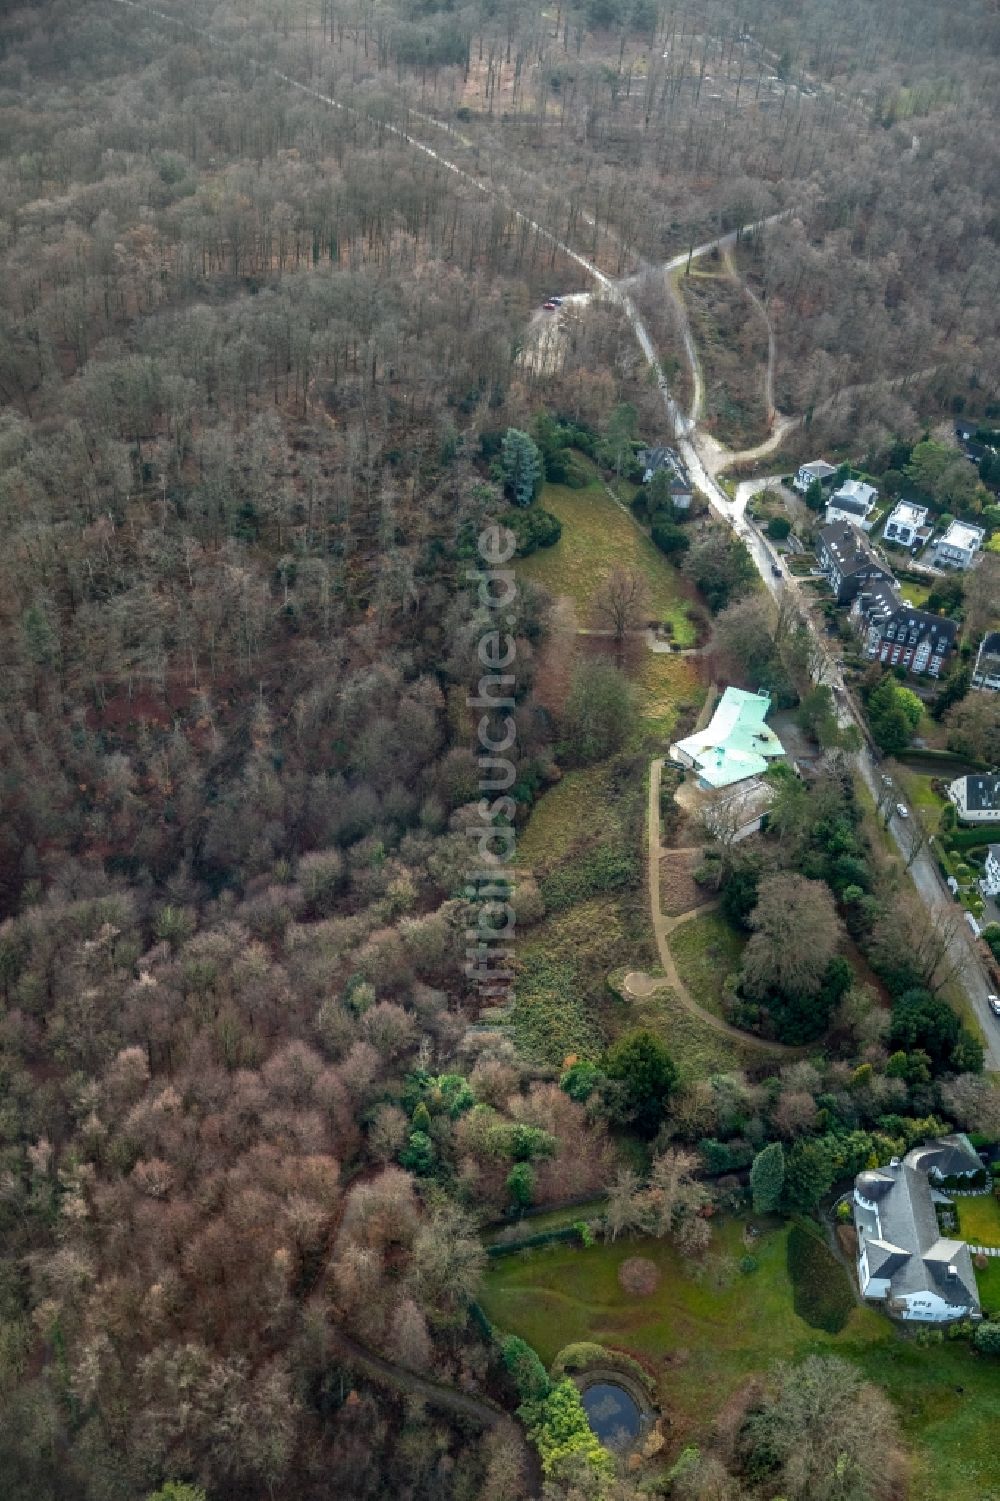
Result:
[[256, 353]]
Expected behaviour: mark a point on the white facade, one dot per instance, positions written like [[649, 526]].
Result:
[[818, 469], [990, 883], [930, 1307], [986, 673], [959, 545], [905, 521], [985, 809], [854, 503]]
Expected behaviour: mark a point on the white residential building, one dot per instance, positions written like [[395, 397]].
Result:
[[905, 521], [990, 883], [818, 469], [976, 798], [853, 502], [986, 673], [959, 545], [904, 1262]]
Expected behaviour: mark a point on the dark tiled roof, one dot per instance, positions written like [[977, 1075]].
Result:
[[879, 600], [849, 548], [949, 1154], [666, 458], [982, 794], [881, 606], [849, 503]]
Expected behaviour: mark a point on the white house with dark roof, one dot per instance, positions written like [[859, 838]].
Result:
[[818, 469], [986, 673], [655, 459], [904, 523], [976, 798], [960, 544], [904, 1262], [854, 501]]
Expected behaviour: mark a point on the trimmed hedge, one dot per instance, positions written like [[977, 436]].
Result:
[[967, 839], [822, 1294], [584, 1355], [541, 1238], [946, 758]]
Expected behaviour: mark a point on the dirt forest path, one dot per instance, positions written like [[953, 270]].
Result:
[[640, 984], [385, 1372]]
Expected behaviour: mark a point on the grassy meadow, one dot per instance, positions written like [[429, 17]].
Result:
[[597, 533], [706, 950]]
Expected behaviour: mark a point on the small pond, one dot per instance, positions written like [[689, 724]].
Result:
[[613, 1413]]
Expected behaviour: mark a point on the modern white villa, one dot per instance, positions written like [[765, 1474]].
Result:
[[736, 744], [905, 522], [960, 544], [904, 1262]]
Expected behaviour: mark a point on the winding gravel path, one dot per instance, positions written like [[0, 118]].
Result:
[[642, 985]]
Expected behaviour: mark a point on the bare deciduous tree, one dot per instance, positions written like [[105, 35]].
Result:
[[621, 603]]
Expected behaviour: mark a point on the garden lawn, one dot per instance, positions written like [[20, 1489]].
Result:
[[979, 1220], [698, 1050], [667, 684], [915, 594], [988, 1282], [598, 533], [706, 950], [707, 1338], [581, 801]]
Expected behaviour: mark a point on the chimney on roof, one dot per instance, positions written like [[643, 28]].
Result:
[[953, 1272]]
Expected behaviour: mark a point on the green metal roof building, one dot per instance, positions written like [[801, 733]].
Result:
[[735, 745]]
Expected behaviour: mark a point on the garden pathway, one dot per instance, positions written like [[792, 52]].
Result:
[[638, 984]]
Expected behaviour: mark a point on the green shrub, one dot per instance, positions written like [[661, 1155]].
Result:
[[586, 1234], [558, 1427], [585, 1355], [580, 1080], [987, 1339], [748, 1264], [533, 528], [669, 537], [822, 1294], [528, 1373]]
